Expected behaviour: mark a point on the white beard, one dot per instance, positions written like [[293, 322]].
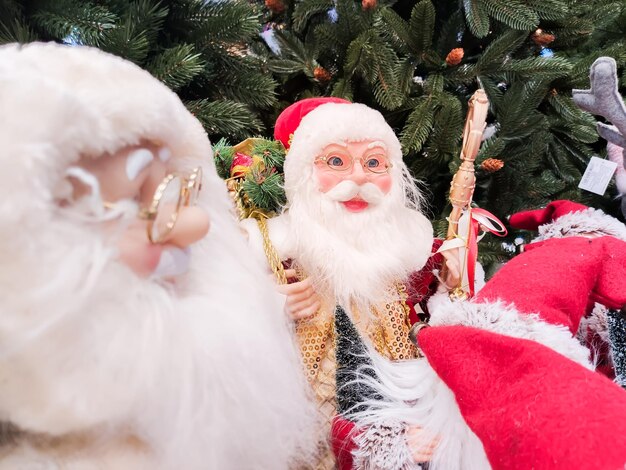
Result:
[[357, 257], [205, 372]]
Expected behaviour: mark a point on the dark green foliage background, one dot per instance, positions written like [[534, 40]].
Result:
[[391, 57]]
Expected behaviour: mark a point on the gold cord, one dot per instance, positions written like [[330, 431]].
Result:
[[270, 252]]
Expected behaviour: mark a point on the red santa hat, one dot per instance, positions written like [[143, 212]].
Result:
[[309, 125], [289, 120], [510, 358], [565, 219]]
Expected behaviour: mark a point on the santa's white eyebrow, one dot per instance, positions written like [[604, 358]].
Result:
[[136, 161], [377, 143]]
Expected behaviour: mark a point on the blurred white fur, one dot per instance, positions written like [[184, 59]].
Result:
[[102, 369]]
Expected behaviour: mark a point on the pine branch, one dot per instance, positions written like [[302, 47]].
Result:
[[16, 31], [127, 41], [512, 13], [176, 66], [147, 16], [565, 106], [450, 33], [343, 89], [75, 22], [254, 88], [549, 9], [392, 26], [306, 9], [418, 127], [271, 151], [225, 117], [500, 48], [476, 17], [544, 68], [434, 84], [422, 27], [223, 154], [268, 195], [447, 129], [292, 48], [406, 70], [214, 23]]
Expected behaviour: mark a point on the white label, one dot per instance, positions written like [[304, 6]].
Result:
[[597, 175]]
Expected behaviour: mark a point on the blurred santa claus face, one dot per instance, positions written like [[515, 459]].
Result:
[[156, 242], [356, 174]]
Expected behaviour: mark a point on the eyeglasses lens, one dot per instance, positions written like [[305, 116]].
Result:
[[167, 210]]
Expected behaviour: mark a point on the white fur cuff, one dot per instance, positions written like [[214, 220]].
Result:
[[505, 319], [383, 447], [588, 221]]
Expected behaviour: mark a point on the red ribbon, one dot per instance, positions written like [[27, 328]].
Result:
[[478, 219]]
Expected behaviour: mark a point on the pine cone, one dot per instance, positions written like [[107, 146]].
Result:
[[276, 6], [491, 165], [542, 39], [321, 74], [369, 4], [455, 56]]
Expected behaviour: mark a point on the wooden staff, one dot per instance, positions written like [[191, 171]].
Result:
[[464, 181]]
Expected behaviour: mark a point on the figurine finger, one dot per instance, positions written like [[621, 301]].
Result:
[[301, 305], [306, 294], [308, 312], [295, 288]]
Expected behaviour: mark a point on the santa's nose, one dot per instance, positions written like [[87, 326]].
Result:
[[358, 174], [192, 225]]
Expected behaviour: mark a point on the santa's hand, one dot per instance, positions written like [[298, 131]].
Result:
[[302, 300], [421, 443], [451, 273]]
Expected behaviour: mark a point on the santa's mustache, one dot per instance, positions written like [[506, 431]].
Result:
[[347, 190]]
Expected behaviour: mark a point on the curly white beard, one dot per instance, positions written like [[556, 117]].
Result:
[[358, 257], [205, 372]]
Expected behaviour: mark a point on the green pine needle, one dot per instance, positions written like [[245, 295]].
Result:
[[176, 66]]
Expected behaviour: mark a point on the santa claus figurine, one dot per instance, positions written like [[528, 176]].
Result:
[[128, 339], [505, 384], [352, 244]]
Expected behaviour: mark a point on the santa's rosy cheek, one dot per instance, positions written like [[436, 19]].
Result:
[[327, 180], [383, 182]]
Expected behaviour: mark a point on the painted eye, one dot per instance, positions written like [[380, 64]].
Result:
[[335, 161], [373, 163], [377, 163]]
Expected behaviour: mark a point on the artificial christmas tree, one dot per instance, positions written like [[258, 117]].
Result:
[[199, 49], [388, 54]]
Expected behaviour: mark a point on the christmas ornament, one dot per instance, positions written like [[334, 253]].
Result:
[[491, 165], [270, 38], [333, 16], [369, 4], [542, 38], [241, 165], [321, 74], [455, 56], [276, 6]]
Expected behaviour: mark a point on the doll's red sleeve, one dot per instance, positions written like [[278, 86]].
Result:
[[423, 283]]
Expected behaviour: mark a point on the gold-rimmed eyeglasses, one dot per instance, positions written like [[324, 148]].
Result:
[[174, 192], [376, 163]]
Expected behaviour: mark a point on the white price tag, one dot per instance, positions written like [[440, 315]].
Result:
[[597, 175]]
